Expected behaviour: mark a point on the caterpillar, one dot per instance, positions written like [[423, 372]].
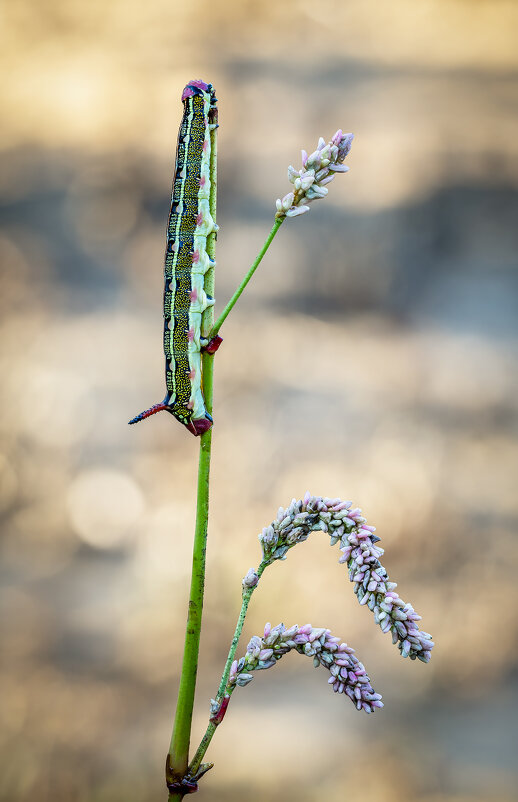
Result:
[[186, 263]]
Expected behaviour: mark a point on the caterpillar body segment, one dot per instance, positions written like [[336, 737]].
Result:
[[186, 264]]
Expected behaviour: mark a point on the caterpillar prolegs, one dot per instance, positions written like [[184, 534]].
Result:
[[187, 262]]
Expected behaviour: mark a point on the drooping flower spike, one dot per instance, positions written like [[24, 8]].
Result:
[[348, 527], [347, 673], [318, 169]]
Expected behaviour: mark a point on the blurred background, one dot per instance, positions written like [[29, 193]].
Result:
[[372, 358]]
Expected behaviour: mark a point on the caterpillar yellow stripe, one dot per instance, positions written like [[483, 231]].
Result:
[[186, 263]]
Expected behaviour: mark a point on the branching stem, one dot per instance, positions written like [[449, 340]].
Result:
[[221, 319], [211, 727]]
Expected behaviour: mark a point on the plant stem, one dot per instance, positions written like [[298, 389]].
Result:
[[178, 756], [221, 319], [211, 727]]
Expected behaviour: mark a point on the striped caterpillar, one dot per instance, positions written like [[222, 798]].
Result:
[[186, 263]]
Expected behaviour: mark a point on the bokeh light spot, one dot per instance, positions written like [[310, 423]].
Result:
[[104, 506]]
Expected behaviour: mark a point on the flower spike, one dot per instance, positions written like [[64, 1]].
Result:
[[357, 540], [318, 169], [347, 674]]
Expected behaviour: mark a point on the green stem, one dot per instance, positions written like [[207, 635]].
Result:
[[180, 739], [178, 756], [211, 727], [221, 319]]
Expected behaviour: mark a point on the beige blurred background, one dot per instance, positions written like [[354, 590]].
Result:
[[372, 358]]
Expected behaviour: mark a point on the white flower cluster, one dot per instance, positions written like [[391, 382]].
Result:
[[357, 540], [318, 169], [348, 675]]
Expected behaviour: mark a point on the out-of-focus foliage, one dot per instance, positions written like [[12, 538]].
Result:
[[371, 358]]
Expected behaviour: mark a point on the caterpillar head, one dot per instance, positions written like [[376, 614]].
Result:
[[196, 88]]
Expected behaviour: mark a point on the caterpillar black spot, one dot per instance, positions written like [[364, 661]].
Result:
[[186, 264]]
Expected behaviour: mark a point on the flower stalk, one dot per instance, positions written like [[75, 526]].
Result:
[[220, 703], [221, 319]]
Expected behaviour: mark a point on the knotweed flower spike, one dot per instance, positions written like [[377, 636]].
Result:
[[347, 673], [348, 527], [318, 169]]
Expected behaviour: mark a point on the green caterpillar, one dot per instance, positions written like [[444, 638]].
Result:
[[186, 263]]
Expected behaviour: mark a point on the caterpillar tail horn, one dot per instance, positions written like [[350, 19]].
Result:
[[148, 412], [195, 427]]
